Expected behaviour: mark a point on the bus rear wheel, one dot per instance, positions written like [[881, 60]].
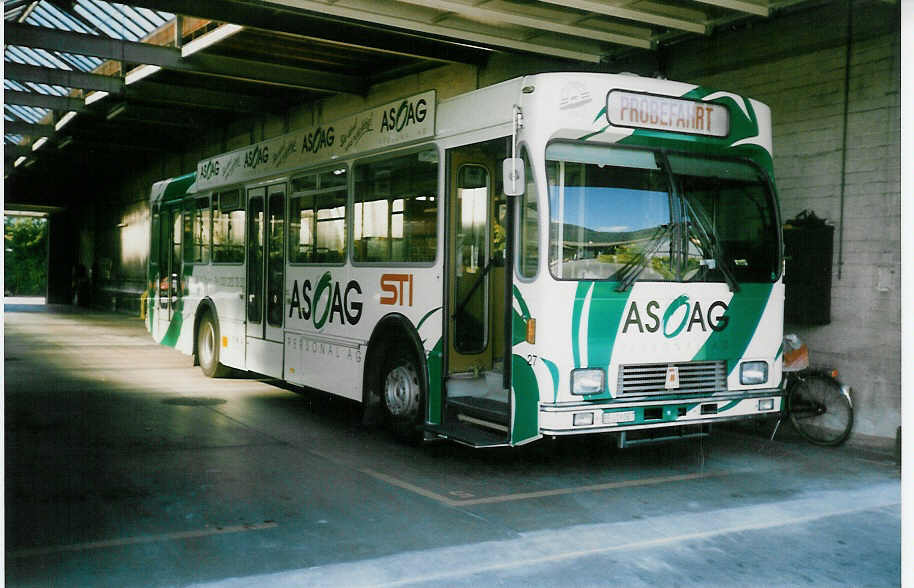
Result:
[[208, 348], [402, 395]]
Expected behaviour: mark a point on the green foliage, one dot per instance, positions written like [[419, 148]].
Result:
[[25, 241]]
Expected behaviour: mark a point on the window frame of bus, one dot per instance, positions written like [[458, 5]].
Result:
[[531, 194], [428, 147], [216, 202], [347, 213]]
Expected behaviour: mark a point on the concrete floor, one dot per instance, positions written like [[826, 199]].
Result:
[[125, 466]]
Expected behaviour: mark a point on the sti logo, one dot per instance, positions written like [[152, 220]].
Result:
[[397, 288]]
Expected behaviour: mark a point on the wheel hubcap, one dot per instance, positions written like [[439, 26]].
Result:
[[401, 392]]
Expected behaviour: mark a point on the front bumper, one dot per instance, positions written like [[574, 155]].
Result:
[[561, 419]]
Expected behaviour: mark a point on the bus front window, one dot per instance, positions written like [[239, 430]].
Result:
[[730, 217], [610, 214], [614, 215]]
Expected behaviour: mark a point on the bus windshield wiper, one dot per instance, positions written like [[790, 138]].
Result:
[[710, 241], [633, 268]]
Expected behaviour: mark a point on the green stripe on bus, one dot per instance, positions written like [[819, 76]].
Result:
[[554, 372], [433, 362], [604, 317], [526, 401], [174, 327], [743, 314], [579, 296]]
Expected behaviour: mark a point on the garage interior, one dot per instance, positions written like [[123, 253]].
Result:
[[101, 100]]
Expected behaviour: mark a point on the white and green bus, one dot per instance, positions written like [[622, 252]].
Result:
[[557, 254]]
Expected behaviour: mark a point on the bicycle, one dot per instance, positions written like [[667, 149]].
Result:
[[819, 406]]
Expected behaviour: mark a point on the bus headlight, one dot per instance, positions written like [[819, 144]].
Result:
[[587, 381], [753, 372]]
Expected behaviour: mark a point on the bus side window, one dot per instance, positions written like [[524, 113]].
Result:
[[228, 227], [528, 251], [154, 243], [317, 217], [395, 212], [201, 231]]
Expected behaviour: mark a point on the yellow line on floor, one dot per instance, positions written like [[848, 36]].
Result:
[[544, 493], [411, 487], [141, 539], [591, 488]]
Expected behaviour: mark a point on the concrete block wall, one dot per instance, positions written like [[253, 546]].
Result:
[[799, 70]]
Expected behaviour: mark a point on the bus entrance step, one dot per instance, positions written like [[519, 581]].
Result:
[[468, 434], [486, 409]]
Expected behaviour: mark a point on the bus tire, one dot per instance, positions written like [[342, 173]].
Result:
[[208, 348], [402, 395]]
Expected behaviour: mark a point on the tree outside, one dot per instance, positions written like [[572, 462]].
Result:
[[25, 262]]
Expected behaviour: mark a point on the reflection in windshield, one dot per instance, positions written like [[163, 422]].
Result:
[[728, 201], [614, 216]]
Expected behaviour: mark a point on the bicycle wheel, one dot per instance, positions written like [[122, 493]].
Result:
[[819, 410]]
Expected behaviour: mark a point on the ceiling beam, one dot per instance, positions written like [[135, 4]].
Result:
[[368, 36], [150, 115], [15, 151], [525, 20], [741, 6], [199, 98], [271, 73], [43, 100], [607, 9], [83, 44], [383, 13], [62, 77], [94, 143], [26, 128], [170, 58]]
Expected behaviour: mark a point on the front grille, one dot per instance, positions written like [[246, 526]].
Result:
[[695, 377]]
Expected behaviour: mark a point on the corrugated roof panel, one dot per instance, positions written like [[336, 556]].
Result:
[[137, 17], [30, 56], [30, 114], [48, 15], [129, 29], [49, 90], [97, 19], [13, 85], [80, 62], [156, 18]]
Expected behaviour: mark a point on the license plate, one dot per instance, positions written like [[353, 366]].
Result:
[[614, 418]]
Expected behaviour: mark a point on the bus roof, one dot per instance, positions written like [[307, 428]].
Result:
[[172, 188]]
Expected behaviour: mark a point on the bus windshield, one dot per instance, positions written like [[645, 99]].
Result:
[[630, 215]]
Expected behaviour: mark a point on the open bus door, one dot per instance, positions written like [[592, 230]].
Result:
[[476, 408], [168, 279]]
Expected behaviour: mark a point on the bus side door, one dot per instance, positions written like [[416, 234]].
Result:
[[168, 283], [265, 277]]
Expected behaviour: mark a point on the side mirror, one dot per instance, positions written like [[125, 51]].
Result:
[[513, 176]]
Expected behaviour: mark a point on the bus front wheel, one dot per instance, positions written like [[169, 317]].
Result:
[[401, 394], [208, 348]]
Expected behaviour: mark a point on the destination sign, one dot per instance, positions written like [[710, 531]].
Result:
[[395, 123], [662, 113]]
